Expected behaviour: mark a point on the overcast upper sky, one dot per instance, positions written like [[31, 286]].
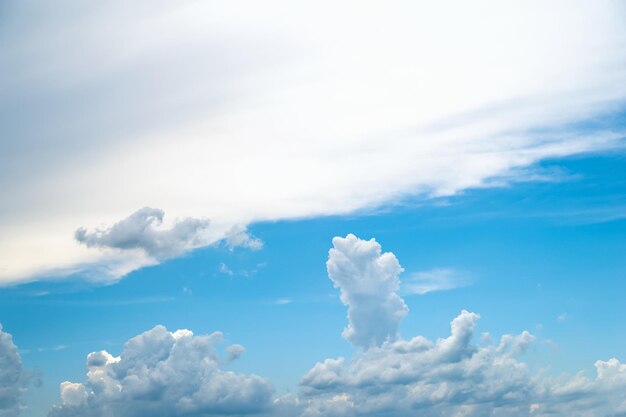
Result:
[[145, 140]]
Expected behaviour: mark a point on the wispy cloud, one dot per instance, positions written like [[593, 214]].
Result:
[[224, 269], [248, 130], [436, 279]]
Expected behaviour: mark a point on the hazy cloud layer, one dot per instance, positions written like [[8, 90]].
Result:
[[239, 113], [165, 374], [436, 279], [368, 281], [11, 374]]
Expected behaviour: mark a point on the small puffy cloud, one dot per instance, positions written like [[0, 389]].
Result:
[[437, 279], [238, 236], [142, 230], [368, 281], [11, 376], [234, 352], [163, 374]]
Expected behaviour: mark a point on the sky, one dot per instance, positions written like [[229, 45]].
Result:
[[292, 210]]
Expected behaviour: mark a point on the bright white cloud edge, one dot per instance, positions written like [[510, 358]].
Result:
[[285, 115]]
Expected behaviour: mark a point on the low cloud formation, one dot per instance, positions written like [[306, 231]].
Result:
[[163, 374], [11, 375], [368, 281], [453, 377], [141, 230], [447, 377]]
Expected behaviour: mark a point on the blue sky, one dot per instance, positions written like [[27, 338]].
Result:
[[544, 256], [297, 210]]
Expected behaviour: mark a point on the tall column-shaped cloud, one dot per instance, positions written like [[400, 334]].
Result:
[[368, 281]]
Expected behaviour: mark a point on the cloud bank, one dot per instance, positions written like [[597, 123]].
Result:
[[453, 377], [448, 377], [170, 374], [240, 113], [11, 376], [162, 374]]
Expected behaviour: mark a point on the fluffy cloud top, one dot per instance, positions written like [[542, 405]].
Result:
[[241, 113], [11, 374], [368, 281], [164, 374]]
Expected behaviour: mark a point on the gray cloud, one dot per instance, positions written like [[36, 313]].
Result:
[[368, 281], [160, 373], [11, 376], [141, 230]]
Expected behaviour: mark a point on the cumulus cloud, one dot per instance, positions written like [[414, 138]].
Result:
[[453, 377], [163, 374], [141, 231], [367, 280], [11, 376], [450, 376], [242, 114], [166, 374]]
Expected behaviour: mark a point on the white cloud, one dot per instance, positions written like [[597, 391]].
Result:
[[242, 114], [451, 376], [437, 279], [238, 236], [368, 281], [11, 376], [165, 374]]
